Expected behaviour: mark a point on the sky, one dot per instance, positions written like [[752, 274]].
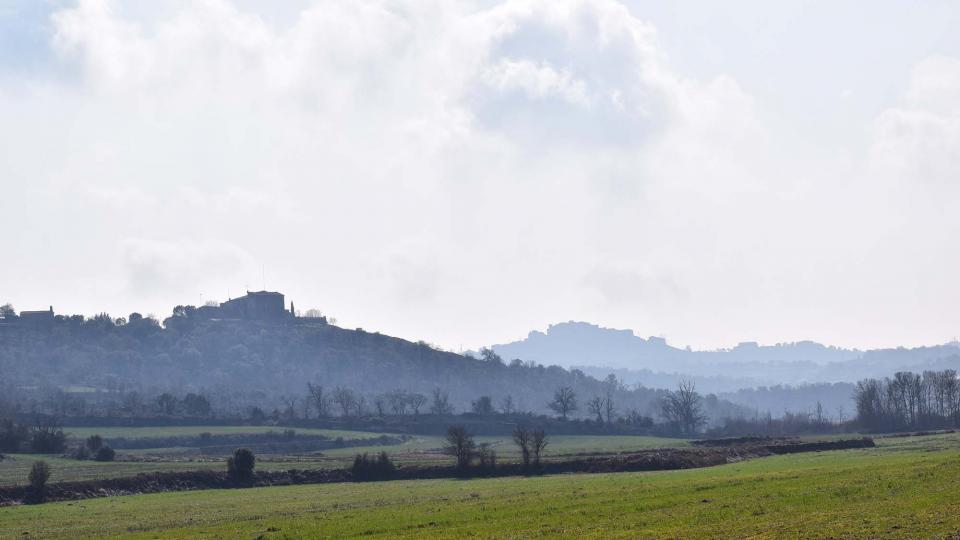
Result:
[[465, 172]]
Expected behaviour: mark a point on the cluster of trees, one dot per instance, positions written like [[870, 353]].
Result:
[[909, 401], [463, 448], [790, 423], [602, 409], [835, 398], [379, 467], [905, 402], [192, 404], [346, 403], [45, 436], [94, 448]]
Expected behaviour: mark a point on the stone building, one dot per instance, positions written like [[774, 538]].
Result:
[[37, 318], [257, 305]]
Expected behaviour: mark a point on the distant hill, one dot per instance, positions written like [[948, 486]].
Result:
[[238, 363], [653, 362]]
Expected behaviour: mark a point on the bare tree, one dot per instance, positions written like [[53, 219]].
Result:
[[167, 404], [361, 406], [441, 403], [506, 405], [538, 441], [564, 401], [841, 414], [417, 400], [305, 405], [909, 400], [133, 403], [595, 406], [487, 355], [521, 436], [398, 401], [683, 409], [487, 456], [608, 407], [460, 445], [344, 399], [483, 406], [380, 405], [320, 400], [289, 407]]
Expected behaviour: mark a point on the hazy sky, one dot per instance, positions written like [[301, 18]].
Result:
[[465, 172]]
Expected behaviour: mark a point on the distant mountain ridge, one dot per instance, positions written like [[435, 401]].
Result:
[[649, 361]]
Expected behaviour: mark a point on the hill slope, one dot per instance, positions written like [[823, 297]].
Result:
[[242, 363]]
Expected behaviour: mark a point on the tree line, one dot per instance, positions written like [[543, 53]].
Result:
[[909, 401]]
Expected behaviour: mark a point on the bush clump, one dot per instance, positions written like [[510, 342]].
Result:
[[487, 457], [12, 435], [47, 438], [39, 474], [94, 443], [375, 468], [81, 453], [105, 453], [240, 465]]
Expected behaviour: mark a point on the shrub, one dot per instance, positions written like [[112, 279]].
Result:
[[39, 474], [538, 441], [521, 436], [105, 453], [48, 438], [367, 468], [460, 445], [240, 465], [12, 435], [94, 442], [487, 456], [81, 453]]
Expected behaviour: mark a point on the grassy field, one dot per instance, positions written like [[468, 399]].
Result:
[[419, 450], [188, 431], [14, 470], [905, 488]]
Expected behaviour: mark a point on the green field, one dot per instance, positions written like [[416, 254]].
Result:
[[188, 431], [418, 450], [907, 487]]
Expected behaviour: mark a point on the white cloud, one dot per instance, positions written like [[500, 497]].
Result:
[[182, 269], [452, 171], [537, 81], [918, 142]]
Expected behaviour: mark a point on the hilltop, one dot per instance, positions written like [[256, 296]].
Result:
[[268, 362], [653, 362]]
